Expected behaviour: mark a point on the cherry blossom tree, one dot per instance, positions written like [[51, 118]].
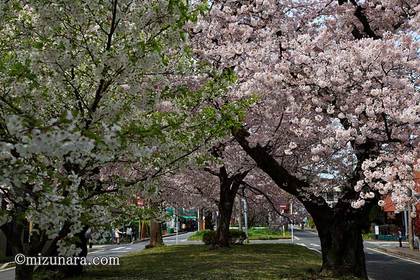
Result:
[[90, 88], [338, 104]]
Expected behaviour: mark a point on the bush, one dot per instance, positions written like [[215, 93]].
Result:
[[198, 235], [209, 237], [235, 237], [311, 223]]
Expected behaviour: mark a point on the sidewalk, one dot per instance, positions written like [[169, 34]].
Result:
[[403, 252]]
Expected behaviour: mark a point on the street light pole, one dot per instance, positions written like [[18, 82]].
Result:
[[245, 213], [245, 217], [291, 220], [198, 219], [176, 226]]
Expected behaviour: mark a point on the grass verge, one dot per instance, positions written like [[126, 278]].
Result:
[[198, 262], [253, 234], [267, 234]]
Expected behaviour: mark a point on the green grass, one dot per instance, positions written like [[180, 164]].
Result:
[[267, 234], [253, 234], [368, 236], [198, 235], [199, 262]]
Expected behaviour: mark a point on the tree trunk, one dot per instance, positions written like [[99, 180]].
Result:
[[342, 245], [155, 234], [225, 214], [410, 229], [24, 272], [208, 220], [339, 228], [82, 243]]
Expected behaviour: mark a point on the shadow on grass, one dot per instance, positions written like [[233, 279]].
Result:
[[198, 262]]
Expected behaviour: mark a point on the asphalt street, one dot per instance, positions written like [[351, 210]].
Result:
[[380, 266], [122, 249]]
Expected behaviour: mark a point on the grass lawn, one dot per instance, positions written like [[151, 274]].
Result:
[[267, 234], [197, 236], [199, 262], [260, 233]]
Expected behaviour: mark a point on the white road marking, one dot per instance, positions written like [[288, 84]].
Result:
[[316, 245], [297, 238], [94, 252], [6, 269], [118, 248], [313, 249], [394, 256], [384, 242]]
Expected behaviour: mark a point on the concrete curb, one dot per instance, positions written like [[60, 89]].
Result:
[[401, 254], [5, 268]]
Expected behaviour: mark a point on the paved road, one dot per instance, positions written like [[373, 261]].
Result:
[[113, 250], [380, 266], [122, 249]]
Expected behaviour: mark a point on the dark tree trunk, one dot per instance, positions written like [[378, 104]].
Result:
[[342, 246], [339, 228], [155, 234], [208, 220], [82, 243], [225, 214], [229, 187], [17, 234], [24, 272], [143, 230]]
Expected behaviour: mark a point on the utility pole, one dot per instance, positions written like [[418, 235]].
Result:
[[176, 226], [291, 220], [198, 219], [245, 213], [245, 217]]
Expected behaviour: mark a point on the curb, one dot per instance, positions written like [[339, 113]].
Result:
[[401, 254], [5, 268]]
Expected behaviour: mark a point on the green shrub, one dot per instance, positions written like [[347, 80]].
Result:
[[235, 237], [198, 235], [209, 237], [311, 223]]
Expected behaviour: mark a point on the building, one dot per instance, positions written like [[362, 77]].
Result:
[[398, 218]]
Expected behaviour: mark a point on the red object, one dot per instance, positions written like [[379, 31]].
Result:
[[389, 205]]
